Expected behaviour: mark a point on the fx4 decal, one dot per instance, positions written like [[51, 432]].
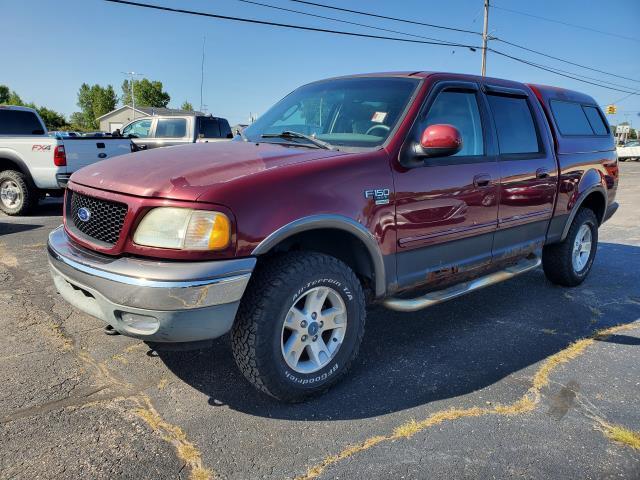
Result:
[[380, 195], [41, 148]]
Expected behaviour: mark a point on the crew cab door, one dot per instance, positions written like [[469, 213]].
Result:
[[446, 207], [528, 172], [140, 132]]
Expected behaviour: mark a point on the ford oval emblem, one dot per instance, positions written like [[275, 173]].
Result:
[[102, 155], [84, 214]]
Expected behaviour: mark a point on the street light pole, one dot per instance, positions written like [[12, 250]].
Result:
[[133, 98], [485, 37]]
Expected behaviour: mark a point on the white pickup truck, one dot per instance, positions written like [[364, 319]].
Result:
[[629, 151], [34, 163]]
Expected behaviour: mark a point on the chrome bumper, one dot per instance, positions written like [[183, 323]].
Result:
[[155, 300]]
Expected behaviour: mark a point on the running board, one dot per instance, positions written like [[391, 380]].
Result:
[[439, 296]]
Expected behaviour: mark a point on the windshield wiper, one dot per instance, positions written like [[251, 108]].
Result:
[[292, 134]]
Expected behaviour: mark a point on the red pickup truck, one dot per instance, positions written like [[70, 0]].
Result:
[[405, 189]]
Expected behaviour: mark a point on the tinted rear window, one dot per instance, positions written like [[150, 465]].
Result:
[[19, 122], [214, 128], [570, 118], [517, 132], [596, 120]]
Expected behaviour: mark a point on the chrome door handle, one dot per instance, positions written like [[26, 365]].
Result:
[[542, 173], [482, 180]]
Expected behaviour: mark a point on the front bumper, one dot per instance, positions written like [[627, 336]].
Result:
[[152, 300]]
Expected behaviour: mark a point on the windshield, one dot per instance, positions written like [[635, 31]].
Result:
[[350, 112]]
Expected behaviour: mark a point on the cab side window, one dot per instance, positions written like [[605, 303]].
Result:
[[515, 126], [459, 109], [139, 129], [171, 128]]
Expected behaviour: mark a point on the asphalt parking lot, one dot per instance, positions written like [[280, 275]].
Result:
[[491, 385]]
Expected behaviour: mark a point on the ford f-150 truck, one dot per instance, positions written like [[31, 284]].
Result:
[[403, 189], [34, 163]]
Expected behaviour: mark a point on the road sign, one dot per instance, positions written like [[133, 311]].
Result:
[[623, 129], [611, 109]]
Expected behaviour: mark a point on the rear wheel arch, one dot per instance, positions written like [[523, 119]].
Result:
[[335, 235], [595, 199], [12, 162]]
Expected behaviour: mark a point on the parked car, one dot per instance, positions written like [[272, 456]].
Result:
[[629, 151], [33, 163], [349, 191], [165, 131]]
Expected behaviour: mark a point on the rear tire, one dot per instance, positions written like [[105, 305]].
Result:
[[18, 194], [288, 340], [569, 262]]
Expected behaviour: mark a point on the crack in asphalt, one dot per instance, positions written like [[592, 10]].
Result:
[[115, 388], [526, 403]]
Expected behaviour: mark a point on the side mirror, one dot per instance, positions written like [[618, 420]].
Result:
[[440, 140]]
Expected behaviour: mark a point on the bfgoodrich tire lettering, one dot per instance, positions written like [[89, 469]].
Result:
[[557, 259], [276, 285]]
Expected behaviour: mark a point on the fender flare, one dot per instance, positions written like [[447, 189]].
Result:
[[594, 188], [337, 222], [12, 156]]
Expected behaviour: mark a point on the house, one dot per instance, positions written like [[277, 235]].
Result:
[[119, 117]]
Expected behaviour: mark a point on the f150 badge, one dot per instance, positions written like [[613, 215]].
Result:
[[380, 195]]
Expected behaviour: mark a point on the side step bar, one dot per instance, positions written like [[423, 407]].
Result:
[[439, 296]]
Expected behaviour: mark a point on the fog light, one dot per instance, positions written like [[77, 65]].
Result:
[[139, 324]]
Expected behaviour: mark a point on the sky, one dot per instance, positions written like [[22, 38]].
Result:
[[48, 48]]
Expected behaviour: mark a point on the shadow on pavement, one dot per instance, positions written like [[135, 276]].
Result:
[[8, 228], [452, 349]]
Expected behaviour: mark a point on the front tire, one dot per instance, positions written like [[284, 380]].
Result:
[[569, 262], [18, 195], [299, 325]]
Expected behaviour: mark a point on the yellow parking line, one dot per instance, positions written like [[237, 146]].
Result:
[[524, 404]]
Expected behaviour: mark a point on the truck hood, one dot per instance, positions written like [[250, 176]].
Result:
[[187, 172]]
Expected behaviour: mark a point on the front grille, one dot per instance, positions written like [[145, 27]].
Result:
[[105, 220]]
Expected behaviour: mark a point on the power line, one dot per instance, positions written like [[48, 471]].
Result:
[[338, 20], [553, 70], [288, 25], [363, 35], [395, 19], [404, 20], [564, 60], [553, 20]]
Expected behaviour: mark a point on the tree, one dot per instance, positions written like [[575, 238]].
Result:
[[94, 101], [4, 94], [186, 106], [148, 93]]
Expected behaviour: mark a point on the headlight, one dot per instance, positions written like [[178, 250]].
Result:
[[184, 229]]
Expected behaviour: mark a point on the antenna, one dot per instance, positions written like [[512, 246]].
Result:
[[204, 40]]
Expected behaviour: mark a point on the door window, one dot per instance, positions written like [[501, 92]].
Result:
[[459, 109], [139, 129], [515, 126], [171, 128]]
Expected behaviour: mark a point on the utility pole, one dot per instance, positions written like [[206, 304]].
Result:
[[204, 39], [485, 37], [132, 76]]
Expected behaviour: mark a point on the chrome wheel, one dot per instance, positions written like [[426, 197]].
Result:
[[313, 330], [10, 194], [581, 248]]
